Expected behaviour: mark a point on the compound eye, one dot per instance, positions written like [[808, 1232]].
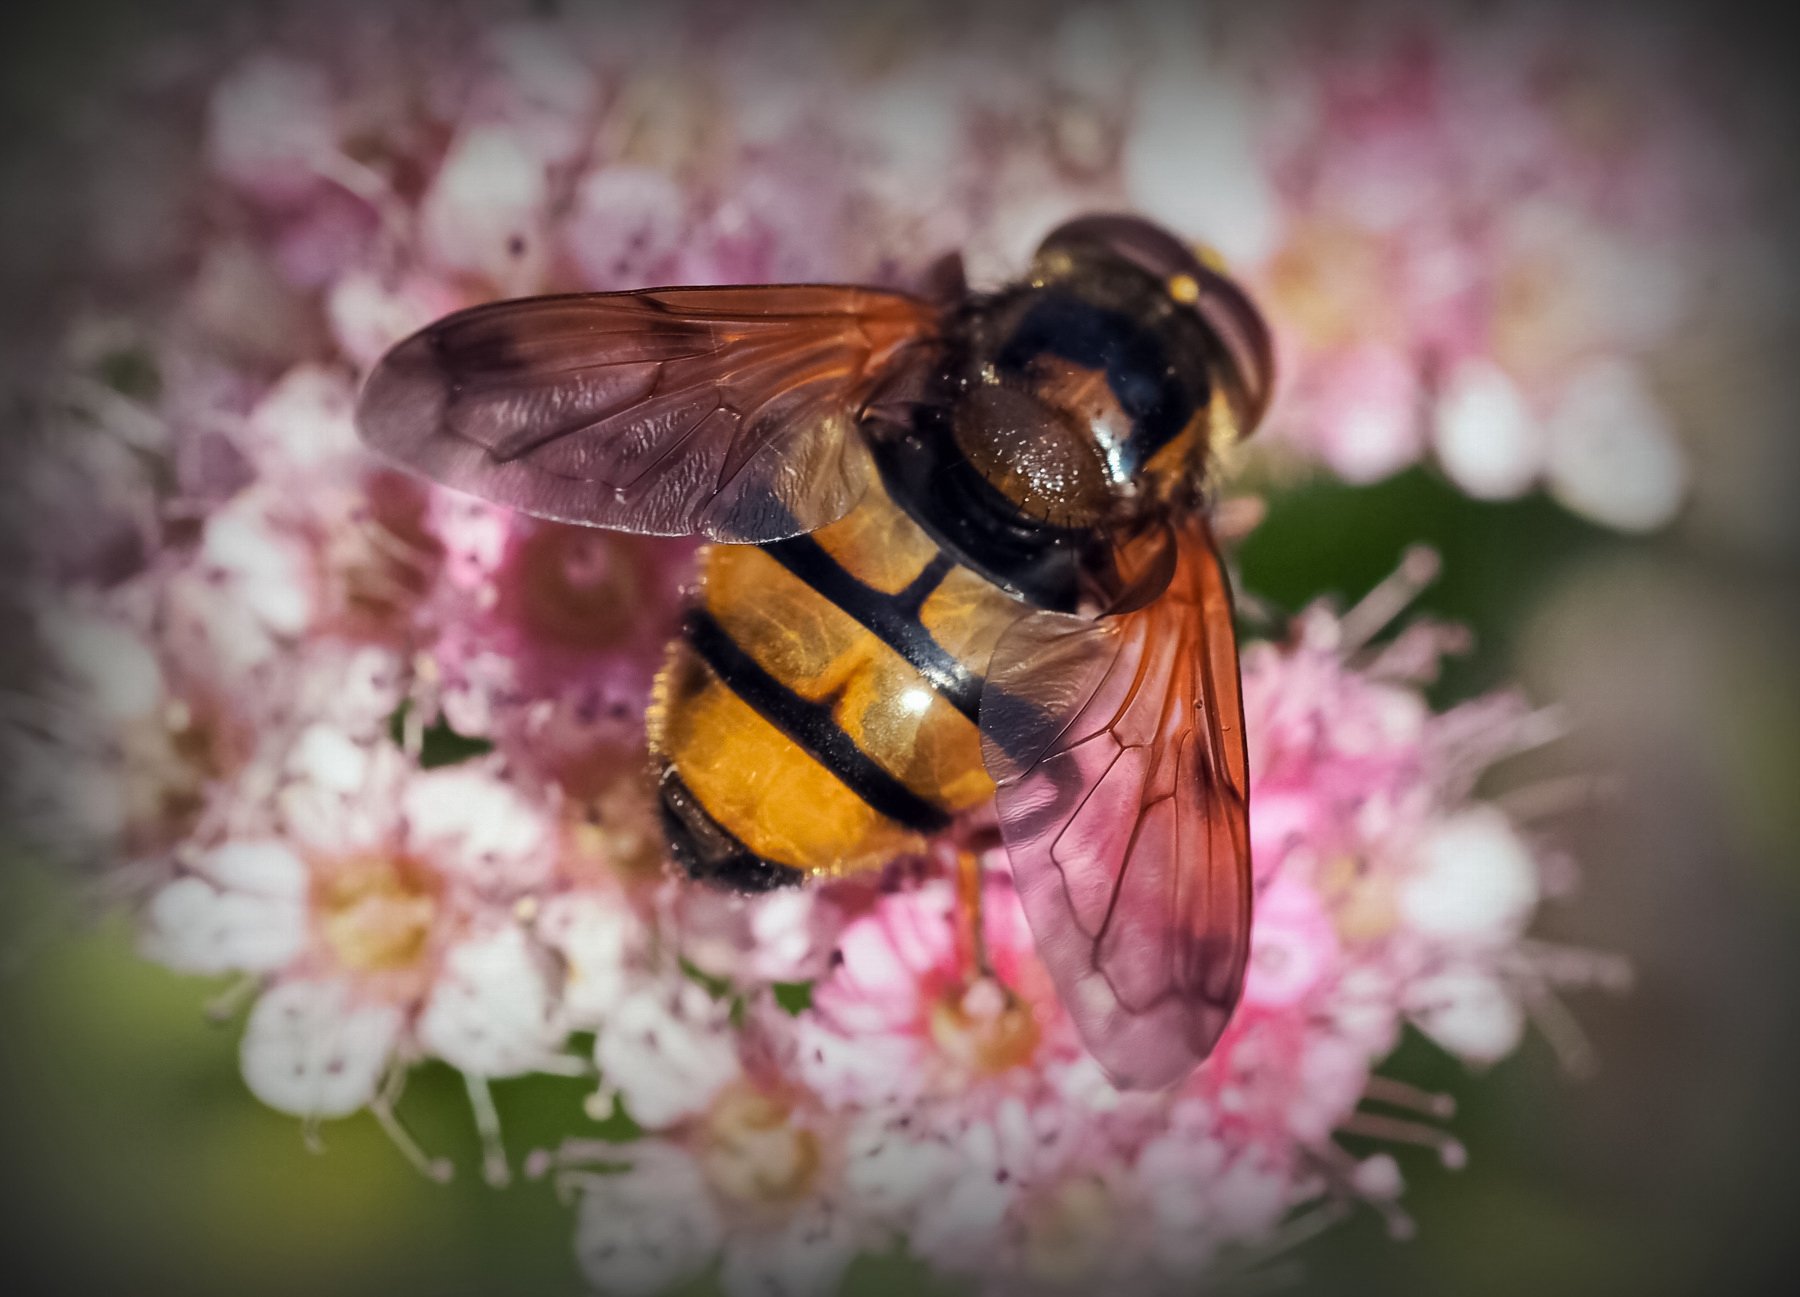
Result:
[[1247, 365], [1129, 238]]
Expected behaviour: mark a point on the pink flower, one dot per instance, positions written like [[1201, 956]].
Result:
[[484, 213], [905, 1014], [625, 228], [273, 122], [369, 313], [529, 648]]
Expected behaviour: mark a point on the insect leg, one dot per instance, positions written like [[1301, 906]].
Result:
[[968, 904]]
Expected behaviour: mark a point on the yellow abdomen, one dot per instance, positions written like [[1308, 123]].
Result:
[[817, 713]]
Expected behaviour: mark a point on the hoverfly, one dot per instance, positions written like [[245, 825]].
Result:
[[962, 570]]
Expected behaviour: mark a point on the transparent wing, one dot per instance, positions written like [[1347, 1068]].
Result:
[[728, 412], [1118, 749]]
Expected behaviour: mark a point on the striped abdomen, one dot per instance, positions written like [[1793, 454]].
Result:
[[817, 715]]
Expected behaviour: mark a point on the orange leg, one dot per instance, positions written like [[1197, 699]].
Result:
[[968, 898]]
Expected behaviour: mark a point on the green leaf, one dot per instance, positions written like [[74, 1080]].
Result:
[[439, 744], [717, 987], [795, 997]]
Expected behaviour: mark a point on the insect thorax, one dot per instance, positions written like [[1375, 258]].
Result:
[[1063, 411]]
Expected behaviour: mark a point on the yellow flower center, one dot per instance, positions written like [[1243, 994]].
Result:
[[985, 1029], [375, 913], [752, 1152], [1068, 1232], [1361, 904], [1329, 283]]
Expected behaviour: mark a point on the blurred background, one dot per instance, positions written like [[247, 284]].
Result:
[[133, 1158]]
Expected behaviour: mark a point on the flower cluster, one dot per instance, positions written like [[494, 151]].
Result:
[[377, 749], [1492, 225]]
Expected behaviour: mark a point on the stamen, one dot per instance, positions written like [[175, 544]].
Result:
[[571, 1065], [224, 1006], [1254, 610], [1398, 1094], [412, 732], [1308, 1225], [1344, 1175], [44, 716], [1574, 968], [494, 1168], [1397, 1130], [1558, 1026], [1419, 567], [1548, 798], [373, 584], [573, 1154], [130, 881], [439, 1170], [568, 1184], [367, 184], [134, 424], [1417, 652], [599, 1105], [1266, 1275], [390, 544]]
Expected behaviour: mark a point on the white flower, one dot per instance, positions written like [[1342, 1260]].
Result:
[[666, 1051], [269, 573], [957, 1226], [1191, 163], [491, 1011], [1484, 435], [242, 908], [625, 222], [782, 936], [302, 423], [541, 88], [333, 761], [108, 663], [598, 938], [806, 1256], [250, 592], [311, 1049], [1612, 450], [643, 1230], [368, 314], [1469, 1012], [891, 1169], [483, 212], [479, 828], [1473, 879], [269, 126]]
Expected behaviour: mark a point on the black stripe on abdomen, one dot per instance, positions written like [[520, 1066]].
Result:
[[891, 618], [809, 724], [707, 850]]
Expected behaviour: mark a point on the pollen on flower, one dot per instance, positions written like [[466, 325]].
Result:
[[753, 1152], [375, 913], [1070, 1230], [984, 1029]]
